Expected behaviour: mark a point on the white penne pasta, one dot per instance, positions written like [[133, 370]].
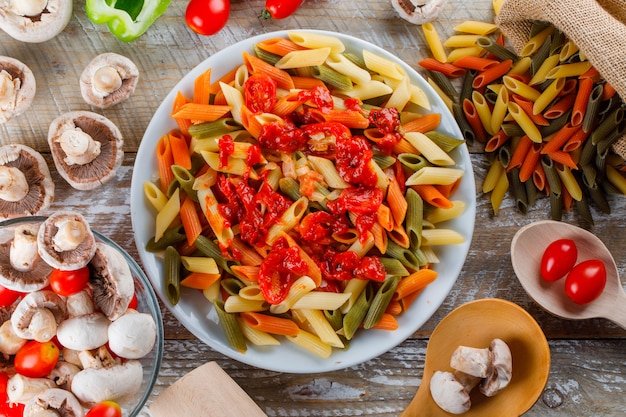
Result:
[[303, 58], [429, 254], [354, 287], [154, 195], [241, 76], [437, 237], [400, 96], [312, 343], [206, 180], [235, 166], [234, 98], [288, 220], [417, 96], [438, 214], [361, 248], [382, 181], [322, 300], [344, 66], [383, 66], [429, 149], [167, 215], [213, 292], [476, 27], [321, 327], [256, 336], [435, 176], [327, 168], [434, 42], [201, 264], [238, 304], [210, 143], [299, 289], [569, 182], [316, 40], [251, 292], [367, 91], [209, 207]]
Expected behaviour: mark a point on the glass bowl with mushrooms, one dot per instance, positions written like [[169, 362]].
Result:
[[80, 324]]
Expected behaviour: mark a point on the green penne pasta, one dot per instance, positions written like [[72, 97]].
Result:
[[212, 129], [557, 41], [610, 123], [332, 77], [498, 50], [383, 161], [404, 255], [444, 83], [185, 179], [504, 155], [290, 188], [466, 86], [531, 192], [354, 317], [171, 275], [446, 142], [335, 318], [597, 195], [519, 191], [605, 143], [232, 285], [583, 209], [413, 161], [266, 56], [552, 177], [556, 206], [555, 124], [461, 120], [593, 107], [512, 129], [170, 237], [540, 56], [394, 267], [228, 321], [588, 153], [380, 302], [414, 218], [209, 248]]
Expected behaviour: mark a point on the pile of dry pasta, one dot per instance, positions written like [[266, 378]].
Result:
[[304, 193], [547, 118]]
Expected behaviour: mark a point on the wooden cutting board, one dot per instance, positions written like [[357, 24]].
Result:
[[207, 391]]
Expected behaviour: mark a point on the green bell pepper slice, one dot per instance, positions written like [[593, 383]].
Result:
[[126, 19]]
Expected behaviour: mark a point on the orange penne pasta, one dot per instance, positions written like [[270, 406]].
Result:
[[248, 256], [190, 220], [349, 118], [475, 63], [496, 141], [450, 70], [474, 120], [386, 322], [251, 123], [394, 308], [422, 124], [258, 66], [520, 152], [576, 140], [380, 237], [399, 236], [384, 217], [491, 74], [607, 92], [202, 88], [539, 176], [201, 112], [585, 85], [180, 149], [179, 101], [527, 107], [432, 195], [567, 198], [313, 271], [562, 106], [564, 158], [246, 272], [448, 190], [417, 281], [287, 104], [306, 83], [395, 198], [560, 138], [199, 280], [270, 324], [164, 162], [227, 78], [279, 46], [530, 162]]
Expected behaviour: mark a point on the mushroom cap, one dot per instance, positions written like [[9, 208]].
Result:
[[67, 259], [111, 281], [63, 402], [25, 92], [418, 11], [125, 68], [448, 393], [40, 28], [101, 169], [118, 383], [29, 306], [133, 335], [40, 186], [502, 369], [84, 332]]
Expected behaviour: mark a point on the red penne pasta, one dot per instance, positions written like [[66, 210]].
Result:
[[179, 101], [530, 162], [560, 138], [164, 162], [585, 85], [562, 106], [349, 118], [496, 141], [202, 88], [491, 74], [422, 124], [180, 149], [279, 46], [190, 220], [527, 107], [474, 120], [607, 92], [445, 68], [564, 158], [576, 140], [475, 63], [520, 152], [271, 324], [570, 87], [306, 83], [258, 66], [417, 281], [539, 176], [201, 112], [432, 195]]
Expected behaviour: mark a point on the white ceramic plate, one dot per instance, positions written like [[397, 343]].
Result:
[[197, 314]]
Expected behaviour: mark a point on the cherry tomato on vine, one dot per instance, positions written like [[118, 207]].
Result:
[[586, 281], [105, 409], [7, 296], [36, 359], [558, 259], [6, 409], [207, 17], [69, 282], [280, 9]]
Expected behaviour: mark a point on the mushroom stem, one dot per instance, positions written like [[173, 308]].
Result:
[[79, 147], [106, 80], [21, 389], [7, 89], [23, 252], [10, 342], [13, 184], [69, 236], [28, 8], [43, 325]]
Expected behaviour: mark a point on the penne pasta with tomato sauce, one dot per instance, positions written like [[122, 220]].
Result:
[[285, 191]]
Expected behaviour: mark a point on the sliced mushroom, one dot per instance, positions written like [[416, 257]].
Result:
[[65, 241], [17, 88], [38, 315], [501, 370], [472, 361], [87, 148], [21, 389], [111, 282], [418, 11], [108, 79], [21, 267], [84, 332], [449, 393], [63, 374], [34, 21], [26, 186], [54, 402], [133, 335], [119, 383]]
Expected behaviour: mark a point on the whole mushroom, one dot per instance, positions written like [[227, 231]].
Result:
[[87, 148], [34, 21], [418, 11], [133, 335], [17, 88], [65, 241], [108, 79]]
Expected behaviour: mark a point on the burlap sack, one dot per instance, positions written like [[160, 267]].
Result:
[[597, 27]]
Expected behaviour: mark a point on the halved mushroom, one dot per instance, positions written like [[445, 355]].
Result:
[[38, 315], [87, 148], [26, 186], [501, 369], [34, 20], [17, 88], [418, 11], [133, 335], [108, 79], [111, 282], [472, 361], [449, 393], [21, 267], [54, 402], [65, 241], [21, 389]]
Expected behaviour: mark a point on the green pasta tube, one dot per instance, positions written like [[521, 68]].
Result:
[[590, 173], [231, 285], [209, 248], [531, 192], [466, 86], [290, 188], [171, 188], [228, 321], [504, 155], [593, 107], [556, 124], [404, 255], [335, 318], [558, 39], [583, 209], [266, 56], [498, 50], [380, 302], [552, 177], [556, 206], [394, 267], [185, 179], [597, 195], [354, 317], [519, 191], [604, 144], [444, 83], [171, 275], [512, 129], [355, 58], [610, 123], [540, 56], [383, 161], [414, 218], [170, 237], [461, 120], [413, 161], [588, 153], [219, 127], [332, 78], [446, 142]]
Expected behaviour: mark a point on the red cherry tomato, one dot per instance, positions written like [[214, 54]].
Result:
[[260, 93], [69, 282], [6, 409], [207, 17], [36, 359], [7, 296], [585, 282], [105, 409], [558, 259], [280, 9], [134, 302]]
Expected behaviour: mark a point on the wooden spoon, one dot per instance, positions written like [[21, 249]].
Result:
[[527, 248], [476, 324]]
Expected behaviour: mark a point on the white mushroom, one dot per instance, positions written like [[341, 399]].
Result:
[[117, 383], [501, 369], [71, 356], [133, 335], [17, 87], [54, 402], [449, 393], [34, 20], [10, 342], [472, 361], [21, 389], [418, 11], [84, 332], [63, 374], [23, 253], [79, 147], [71, 232], [38, 315], [65, 241], [79, 304], [13, 184], [108, 79]]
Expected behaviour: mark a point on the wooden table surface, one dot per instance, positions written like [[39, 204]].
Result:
[[588, 373]]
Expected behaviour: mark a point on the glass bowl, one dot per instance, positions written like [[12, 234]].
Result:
[[147, 302]]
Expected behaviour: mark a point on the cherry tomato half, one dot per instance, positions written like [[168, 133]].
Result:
[[36, 359], [105, 409], [585, 282], [207, 17], [6, 409], [260, 93], [69, 282], [7, 296], [558, 259], [280, 9]]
